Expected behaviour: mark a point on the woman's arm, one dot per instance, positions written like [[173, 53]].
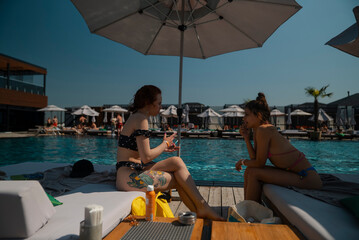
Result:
[[262, 139], [245, 132], [143, 144]]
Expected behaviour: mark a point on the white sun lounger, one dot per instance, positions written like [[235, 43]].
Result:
[[313, 218], [65, 223]]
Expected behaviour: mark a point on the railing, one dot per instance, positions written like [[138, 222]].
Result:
[[22, 86]]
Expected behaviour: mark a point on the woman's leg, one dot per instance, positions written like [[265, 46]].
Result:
[[257, 176], [130, 180], [183, 178]]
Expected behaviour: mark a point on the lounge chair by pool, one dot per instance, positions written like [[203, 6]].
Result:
[[65, 222]]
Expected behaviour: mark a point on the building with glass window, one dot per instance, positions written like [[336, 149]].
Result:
[[22, 93]]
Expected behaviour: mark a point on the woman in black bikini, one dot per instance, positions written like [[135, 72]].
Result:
[[291, 166], [135, 169]]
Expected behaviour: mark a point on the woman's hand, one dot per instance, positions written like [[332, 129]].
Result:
[[244, 131], [239, 164], [170, 145]]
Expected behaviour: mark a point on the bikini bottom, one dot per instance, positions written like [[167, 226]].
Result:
[[133, 165], [304, 172]]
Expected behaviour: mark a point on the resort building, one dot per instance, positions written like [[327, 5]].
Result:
[[22, 93]]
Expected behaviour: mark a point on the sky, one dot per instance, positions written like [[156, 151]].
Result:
[[85, 68]]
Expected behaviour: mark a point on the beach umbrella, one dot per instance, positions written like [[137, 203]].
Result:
[[85, 110], [117, 109], [348, 40], [341, 117], [322, 116], [233, 111], [208, 113], [52, 108], [352, 121], [233, 108], [299, 112], [186, 113], [289, 120], [193, 28], [171, 111], [105, 118], [276, 113]]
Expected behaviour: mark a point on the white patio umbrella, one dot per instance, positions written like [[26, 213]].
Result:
[[52, 108], [289, 120], [208, 113], [117, 109], [322, 116], [298, 113], [276, 113], [352, 121], [171, 111], [341, 117], [194, 28], [186, 113], [348, 40], [233, 108], [85, 110]]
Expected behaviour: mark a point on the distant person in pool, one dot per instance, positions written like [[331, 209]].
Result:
[[291, 167], [135, 169]]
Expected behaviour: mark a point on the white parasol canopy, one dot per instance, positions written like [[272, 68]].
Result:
[[233, 114], [276, 112], [233, 108], [115, 108], [86, 110], [52, 108], [299, 112], [209, 113], [171, 111], [348, 40], [196, 28], [322, 116]]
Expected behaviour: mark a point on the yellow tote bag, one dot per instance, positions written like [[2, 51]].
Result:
[[138, 207]]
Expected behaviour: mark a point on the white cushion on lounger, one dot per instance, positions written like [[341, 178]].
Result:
[[315, 219], [65, 224], [24, 208]]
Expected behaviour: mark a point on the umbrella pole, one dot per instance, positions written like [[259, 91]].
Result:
[[179, 109]]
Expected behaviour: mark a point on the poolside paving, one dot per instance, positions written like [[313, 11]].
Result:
[[16, 134]]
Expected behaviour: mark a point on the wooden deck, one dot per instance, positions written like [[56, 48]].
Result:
[[219, 196]]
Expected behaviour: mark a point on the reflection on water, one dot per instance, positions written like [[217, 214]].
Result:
[[206, 159]]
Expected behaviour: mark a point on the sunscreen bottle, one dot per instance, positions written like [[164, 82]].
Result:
[[150, 203]]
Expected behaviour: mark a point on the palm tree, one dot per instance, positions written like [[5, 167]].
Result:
[[311, 91]]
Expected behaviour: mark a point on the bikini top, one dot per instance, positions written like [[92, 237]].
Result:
[[300, 158], [129, 142]]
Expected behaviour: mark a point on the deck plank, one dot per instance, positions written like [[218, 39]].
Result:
[[227, 200], [215, 199], [238, 194]]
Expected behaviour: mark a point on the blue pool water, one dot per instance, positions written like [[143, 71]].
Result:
[[206, 159]]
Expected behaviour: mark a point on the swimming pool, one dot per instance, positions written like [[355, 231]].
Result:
[[206, 159]]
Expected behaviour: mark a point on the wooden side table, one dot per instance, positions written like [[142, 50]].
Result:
[[246, 231], [125, 225]]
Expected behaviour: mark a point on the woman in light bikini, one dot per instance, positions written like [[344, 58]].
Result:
[[291, 167]]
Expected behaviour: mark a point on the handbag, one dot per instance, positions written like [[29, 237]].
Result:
[[138, 207]]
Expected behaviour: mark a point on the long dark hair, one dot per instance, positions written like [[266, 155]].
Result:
[[259, 107], [144, 96]]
